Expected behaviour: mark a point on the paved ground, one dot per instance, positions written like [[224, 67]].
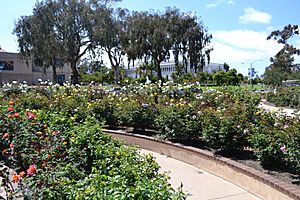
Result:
[[288, 111], [197, 183]]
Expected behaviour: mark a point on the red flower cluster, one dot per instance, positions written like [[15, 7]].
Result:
[[10, 109], [31, 170], [17, 115], [30, 115]]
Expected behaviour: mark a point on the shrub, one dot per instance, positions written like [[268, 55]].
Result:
[[136, 114], [56, 157], [285, 97], [276, 142], [179, 121]]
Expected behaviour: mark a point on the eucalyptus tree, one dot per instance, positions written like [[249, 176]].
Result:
[[109, 35], [283, 36], [66, 31], [149, 38], [178, 26], [198, 46], [36, 39], [190, 39]]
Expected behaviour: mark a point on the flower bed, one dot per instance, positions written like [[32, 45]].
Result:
[[58, 155], [285, 97], [223, 120]]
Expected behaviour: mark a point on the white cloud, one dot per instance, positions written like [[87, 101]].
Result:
[[243, 46], [211, 5], [230, 2], [219, 2], [255, 16]]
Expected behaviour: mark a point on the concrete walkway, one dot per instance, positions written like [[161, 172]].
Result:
[[197, 183], [287, 111]]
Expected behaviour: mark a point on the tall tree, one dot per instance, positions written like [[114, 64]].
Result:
[[282, 66], [36, 39], [283, 36], [280, 69], [190, 39], [69, 30], [109, 34], [198, 46], [149, 38]]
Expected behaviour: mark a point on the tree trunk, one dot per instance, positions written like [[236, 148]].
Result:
[[176, 54], [75, 74], [159, 75], [117, 74], [54, 74]]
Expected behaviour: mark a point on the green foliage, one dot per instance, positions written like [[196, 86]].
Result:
[[179, 121], [227, 78], [282, 66], [57, 157], [137, 115], [74, 159], [276, 142], [226, 123], [285, 96]]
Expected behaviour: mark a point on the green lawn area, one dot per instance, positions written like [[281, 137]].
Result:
[[241, 87]]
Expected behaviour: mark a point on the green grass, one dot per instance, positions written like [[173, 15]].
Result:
[[246, 87]]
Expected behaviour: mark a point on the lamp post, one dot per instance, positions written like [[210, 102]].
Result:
[[251, 72], [1, 78]]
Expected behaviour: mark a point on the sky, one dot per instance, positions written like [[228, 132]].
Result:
[[239, 27]]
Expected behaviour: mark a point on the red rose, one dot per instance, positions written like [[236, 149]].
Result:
[[31, 170], [30, 115], [6, 135], [16, 115]]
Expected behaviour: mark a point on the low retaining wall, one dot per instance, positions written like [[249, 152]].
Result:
[[256, 182]]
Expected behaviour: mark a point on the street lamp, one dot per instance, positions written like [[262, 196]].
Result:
[[251, 72]]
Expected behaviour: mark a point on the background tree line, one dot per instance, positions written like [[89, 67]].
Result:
[[64, 31]]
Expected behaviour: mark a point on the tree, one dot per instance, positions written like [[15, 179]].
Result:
[[279, 70], [204, 77], [226, 67], [227, 78], [283, 36], [109, 34], [282, 66], [190, 39], [36, 39], [67, 30], [220, 78], [148, 38], [198, 47]]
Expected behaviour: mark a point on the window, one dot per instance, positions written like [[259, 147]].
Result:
[[6, 65]]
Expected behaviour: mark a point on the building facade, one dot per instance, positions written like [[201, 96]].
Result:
[[168, 68], [14, 67]]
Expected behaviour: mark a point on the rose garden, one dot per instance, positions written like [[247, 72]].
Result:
[[51, 136]]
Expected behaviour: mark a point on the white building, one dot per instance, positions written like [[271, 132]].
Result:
[[168, 68]]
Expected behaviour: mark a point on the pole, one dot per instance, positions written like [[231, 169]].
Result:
[[251, 83]]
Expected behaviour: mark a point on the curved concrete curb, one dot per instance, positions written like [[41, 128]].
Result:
[[254, 181]]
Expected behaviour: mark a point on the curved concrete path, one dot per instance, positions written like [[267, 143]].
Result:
[[197, 183], [287, 111]]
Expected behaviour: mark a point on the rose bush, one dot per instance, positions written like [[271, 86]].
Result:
[[57, 156], [62, 131]]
